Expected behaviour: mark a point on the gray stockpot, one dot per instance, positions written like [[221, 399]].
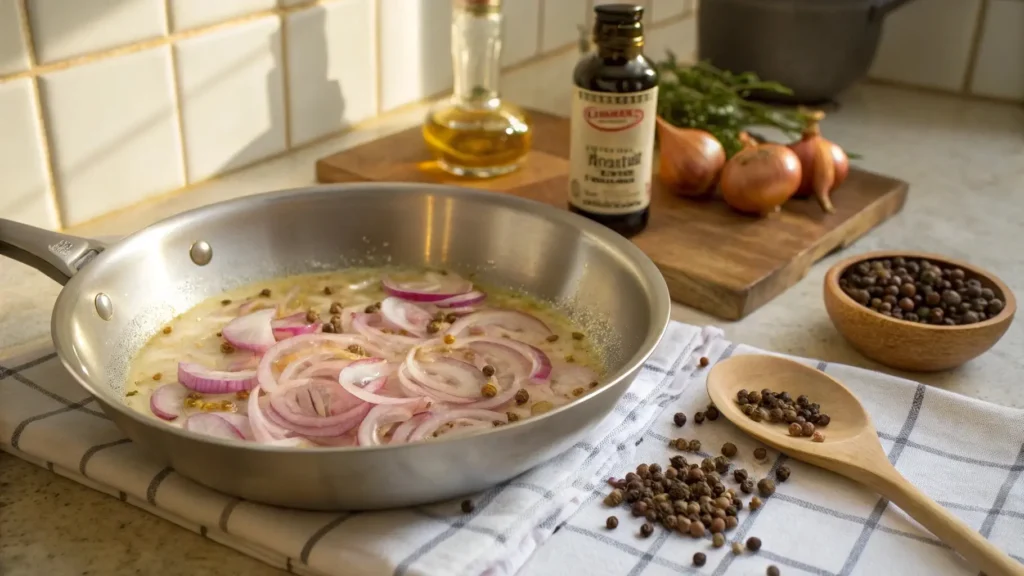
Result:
[[815, 47], [116, 296]]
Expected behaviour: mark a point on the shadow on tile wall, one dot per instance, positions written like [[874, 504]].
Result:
[[329, 99]]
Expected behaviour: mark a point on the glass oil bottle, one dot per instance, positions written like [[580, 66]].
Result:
[[474, 133]]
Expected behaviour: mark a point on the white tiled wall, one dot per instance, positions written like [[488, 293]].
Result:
[[331, 88], [63, 29], [104, 103], [13, 51], [662, 9], [415, 50], [999, 70], [113, 132], [561, 21], [928, 43], [188, 14], [521, 35], [956, 45], [24, 193], [232, 97]]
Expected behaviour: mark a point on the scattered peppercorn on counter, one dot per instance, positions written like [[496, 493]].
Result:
[[692, 498]]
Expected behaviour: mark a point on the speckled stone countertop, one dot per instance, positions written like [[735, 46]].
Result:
[[963, 159]]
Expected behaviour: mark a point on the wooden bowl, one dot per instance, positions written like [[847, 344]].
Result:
[[909, 345]]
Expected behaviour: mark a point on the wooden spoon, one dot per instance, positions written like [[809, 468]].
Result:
[[851, 447]]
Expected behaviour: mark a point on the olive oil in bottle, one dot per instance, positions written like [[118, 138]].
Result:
[[475, 133], [613, 122]]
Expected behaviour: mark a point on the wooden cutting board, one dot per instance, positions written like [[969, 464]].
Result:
[[713, 259]]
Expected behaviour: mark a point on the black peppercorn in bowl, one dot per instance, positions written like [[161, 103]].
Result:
[[917, 311]]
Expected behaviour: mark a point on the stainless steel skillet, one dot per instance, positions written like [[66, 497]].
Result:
[[116, 297]]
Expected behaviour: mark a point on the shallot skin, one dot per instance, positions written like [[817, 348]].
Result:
[[689, 160], [760, 179], [825, 164]]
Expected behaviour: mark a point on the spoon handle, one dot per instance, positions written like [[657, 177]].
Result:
[[939, 521]]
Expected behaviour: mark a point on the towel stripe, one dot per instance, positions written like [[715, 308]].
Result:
[[93, 450], [225, 515], [16, 436], [5, 372], [752, 516], [1004, 493], [154, 484], [307, 548], [883, 503]]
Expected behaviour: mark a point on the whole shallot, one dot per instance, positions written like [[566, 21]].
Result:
[[758, 180], [690, 160], [825, 165]]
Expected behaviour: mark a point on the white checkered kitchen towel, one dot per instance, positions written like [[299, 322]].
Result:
[[966, 454], [46, 418]]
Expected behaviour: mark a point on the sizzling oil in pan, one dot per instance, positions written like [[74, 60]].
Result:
[[361, 357]]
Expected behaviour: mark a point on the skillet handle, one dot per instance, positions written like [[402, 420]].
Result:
[[57, 255]]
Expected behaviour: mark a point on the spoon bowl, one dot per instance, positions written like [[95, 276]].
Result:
[[756, 372], [851, 447]]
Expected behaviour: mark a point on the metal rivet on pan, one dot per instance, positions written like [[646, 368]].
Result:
[[201, 253], [104, 307]]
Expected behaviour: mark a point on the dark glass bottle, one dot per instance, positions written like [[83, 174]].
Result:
[[613, 124]]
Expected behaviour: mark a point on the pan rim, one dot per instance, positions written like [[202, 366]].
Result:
[[660, 305]]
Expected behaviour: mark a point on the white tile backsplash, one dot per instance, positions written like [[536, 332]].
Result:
[[67, 28], [415, 44], [520, 30], [113, 132], [680, 38], [188, 14], [232, 97], [534, 86], [562, 19], [927, 43], [26, 184], [332, 77], [663, 9], [999, 71], [13, 49], [248, 89]]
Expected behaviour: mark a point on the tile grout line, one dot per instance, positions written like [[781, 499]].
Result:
[[541, 4], [558, 52], [178, 96], [377, 58], [972, 55], [172, 39], [37, 103], [167, 194], [941, 91], [37, 70], [286, 93]]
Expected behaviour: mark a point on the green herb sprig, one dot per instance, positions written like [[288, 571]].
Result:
[[704, 97]]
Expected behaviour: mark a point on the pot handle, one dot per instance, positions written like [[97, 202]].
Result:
[[57, 255], [882, 8]]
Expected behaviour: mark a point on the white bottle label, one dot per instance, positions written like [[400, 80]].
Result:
[[612, 150]]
